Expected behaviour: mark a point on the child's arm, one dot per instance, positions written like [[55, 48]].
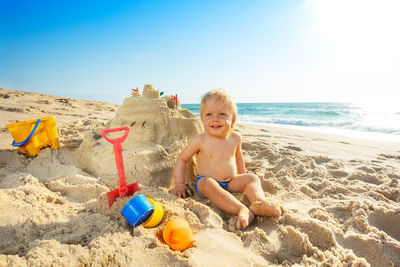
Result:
[[180, 167], [241, 169]]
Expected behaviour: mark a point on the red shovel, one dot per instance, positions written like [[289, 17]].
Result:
[[123, 190]]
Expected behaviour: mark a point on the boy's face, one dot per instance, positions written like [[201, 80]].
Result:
[[216, 117]]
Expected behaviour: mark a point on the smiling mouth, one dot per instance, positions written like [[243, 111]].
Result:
[[215, 126]]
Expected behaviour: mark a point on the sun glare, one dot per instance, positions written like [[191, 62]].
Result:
[[362, 42]]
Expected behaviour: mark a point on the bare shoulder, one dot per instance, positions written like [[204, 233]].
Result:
[[191, 148], [196, 141], [198, 138], [236, 136]]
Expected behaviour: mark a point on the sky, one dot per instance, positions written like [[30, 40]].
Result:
[[258, 50]]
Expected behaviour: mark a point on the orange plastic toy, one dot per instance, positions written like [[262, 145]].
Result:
[[177, 234]]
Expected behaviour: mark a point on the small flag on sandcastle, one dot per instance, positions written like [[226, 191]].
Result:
[[135, 91], [175, 98]]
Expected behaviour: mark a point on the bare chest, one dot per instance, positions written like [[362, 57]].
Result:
[[220, 151]]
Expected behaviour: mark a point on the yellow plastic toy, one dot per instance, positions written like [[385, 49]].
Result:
[[157, 215], [178, 234], [30, 136]]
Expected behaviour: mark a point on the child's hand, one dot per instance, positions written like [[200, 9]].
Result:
[[182, 191]]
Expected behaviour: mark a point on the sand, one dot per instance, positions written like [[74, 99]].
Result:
[[342, 195]]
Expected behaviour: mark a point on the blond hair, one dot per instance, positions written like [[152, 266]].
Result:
[[223, 96]]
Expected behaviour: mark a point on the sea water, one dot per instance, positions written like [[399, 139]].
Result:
[[362, 121]]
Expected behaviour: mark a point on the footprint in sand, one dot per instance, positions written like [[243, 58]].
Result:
[[321, 159], [12, 109], [46, 102], [295, 148], [338, 173], [5, 96], [388, 156], [366, 169], [386, 221], [366, 177]]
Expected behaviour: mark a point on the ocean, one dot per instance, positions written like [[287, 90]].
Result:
[[353, 120]]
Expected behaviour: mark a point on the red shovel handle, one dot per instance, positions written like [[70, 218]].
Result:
[[118, 140], [123, 190]]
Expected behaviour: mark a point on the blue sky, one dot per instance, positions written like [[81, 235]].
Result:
[[260, 51]]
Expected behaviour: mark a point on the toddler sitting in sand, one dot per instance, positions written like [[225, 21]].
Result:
[[220, 164]]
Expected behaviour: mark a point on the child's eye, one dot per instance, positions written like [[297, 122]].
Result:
[[222, 114], [208, 114]]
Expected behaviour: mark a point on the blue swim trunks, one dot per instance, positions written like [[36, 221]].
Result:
[[224, 185]]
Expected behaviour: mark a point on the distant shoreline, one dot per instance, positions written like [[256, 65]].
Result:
[[323, 117]]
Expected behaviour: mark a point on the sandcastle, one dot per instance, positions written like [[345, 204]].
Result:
[[159, 129]]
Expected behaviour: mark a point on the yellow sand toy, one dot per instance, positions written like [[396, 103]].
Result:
[[30, 136]]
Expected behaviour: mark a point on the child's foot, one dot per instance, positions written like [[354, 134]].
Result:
[[263, 208], [244, 218]]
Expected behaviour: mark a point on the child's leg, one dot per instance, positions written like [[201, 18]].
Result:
[[225, 201], [250, 184]]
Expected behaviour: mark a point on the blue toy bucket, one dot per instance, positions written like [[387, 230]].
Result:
[[137, 210]]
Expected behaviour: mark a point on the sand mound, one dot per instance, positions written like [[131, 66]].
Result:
[[158, 132], [342, 209]]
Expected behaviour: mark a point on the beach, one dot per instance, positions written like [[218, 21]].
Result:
[[341, 194]]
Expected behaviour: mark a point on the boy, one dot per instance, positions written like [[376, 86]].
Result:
[[220, 164]]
